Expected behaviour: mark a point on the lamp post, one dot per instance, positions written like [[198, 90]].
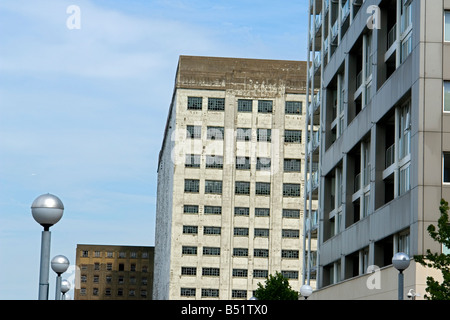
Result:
[[306, 291], [400, 260], [47, 209], [59, 265], [65, 286]]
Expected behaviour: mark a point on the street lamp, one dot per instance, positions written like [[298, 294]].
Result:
[[60, 264], [65, 286], [47, 210], [400, 260], [306, 291]]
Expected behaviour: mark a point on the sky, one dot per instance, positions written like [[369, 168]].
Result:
[[83, 103]]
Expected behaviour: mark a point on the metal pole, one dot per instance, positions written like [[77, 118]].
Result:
[[400, 285], [58, 288], [45, 263]]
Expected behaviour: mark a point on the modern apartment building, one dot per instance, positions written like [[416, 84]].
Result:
[[106, 272], [230, 183], [379, 83]]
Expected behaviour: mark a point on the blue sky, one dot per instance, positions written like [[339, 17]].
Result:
[[82, 111]]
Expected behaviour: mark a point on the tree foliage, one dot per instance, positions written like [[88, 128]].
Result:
[[436, 290], [276, 288]]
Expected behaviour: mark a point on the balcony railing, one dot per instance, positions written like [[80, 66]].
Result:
[[392, 36], [390, 156]]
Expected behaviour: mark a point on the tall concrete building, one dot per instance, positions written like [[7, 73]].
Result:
[[379, 82], [230, 184]]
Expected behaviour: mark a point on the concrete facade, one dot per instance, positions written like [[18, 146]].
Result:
[[382, 69], [216, 239]]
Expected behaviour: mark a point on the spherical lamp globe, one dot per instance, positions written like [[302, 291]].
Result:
[[47, 209]]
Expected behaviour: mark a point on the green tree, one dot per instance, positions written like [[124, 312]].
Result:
[[436, 290], [276, 288]]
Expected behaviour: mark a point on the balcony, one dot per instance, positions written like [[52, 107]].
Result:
[[334, 33], [390, 156], [391, 45], [312, 223]]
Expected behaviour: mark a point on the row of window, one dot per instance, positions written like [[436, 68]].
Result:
[[242, 163], [241, 187], [109, 279], [212, 293], [238, 273], [109, 267], [108, 292], [240, 211], [110, 254], [244, 105], [242, 134], [239, 252], [240, 231]]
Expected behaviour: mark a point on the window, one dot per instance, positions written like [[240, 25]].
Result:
[[244, 105], [289, 254], [291, 213], [262, 188], [260, 232], [190, 209], [241, 211], [243, 134], [291, 190], [214, 162], [447, 26], [190, 229], [263, 163], [447, 96], [264, 135], [191, 185], [260, 273], [212, 210], [211, 251], [240, 273], [262, 212], [243, 163], [216, 104], [290, 274], [406, 34], [212, 230], [404, 183], [240, 252], [193, 132], [242, 232], [194, 103], [85, 253], [293, 136], [265, 106], [290, 233], [404, 130], [212, 293], [242, 187], [214, 133], [293, 107], [239, 294], [214, 272], [192, 161], [213, 186], [261, 253], [187, 292], [292, 165], [446, 167], [189, 250]]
